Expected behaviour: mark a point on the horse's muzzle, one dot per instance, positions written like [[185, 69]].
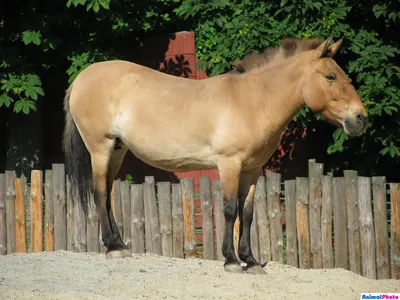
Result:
[[354, 126]]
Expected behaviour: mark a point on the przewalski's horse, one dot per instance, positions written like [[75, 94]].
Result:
[[232, 122]]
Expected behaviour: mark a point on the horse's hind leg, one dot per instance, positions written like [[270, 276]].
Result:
[[229, 171], [101, 157], [117, 156], [248, 181]]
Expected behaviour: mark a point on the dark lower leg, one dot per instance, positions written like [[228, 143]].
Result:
[[246, 218], [230, 213]]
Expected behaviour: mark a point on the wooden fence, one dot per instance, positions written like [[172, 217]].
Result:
[[348, 222]]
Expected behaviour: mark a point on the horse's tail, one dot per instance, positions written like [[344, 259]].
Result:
[[77, 158]]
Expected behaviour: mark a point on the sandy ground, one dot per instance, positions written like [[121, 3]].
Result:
[[67, 275]]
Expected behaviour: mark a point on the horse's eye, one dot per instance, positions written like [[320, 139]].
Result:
[[330, 77]]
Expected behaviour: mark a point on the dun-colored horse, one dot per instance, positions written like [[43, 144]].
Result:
[[232, 122]]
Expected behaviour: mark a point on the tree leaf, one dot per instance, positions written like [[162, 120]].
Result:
[[31, 36]]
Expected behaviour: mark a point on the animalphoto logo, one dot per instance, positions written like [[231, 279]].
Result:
[[392, 296]]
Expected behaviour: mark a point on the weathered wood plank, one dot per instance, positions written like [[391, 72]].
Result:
[[126, 213], [275, 215], [315, 173], [10, 211], [93, 240], [27, 201], [137, 219], [20, 232], [60, 206], [151, 202], [381, 228], [367, 231], [116, 205], [340, 223], [48, 212], [395, 229], [291, 223], [80, 230], [177, 221], [219, 217], [262, 221], [165, 212], [254, 239], [326, 222], [188, 217], [353, 221], [36, 211], [3, 228], [207, 216], [70, 216], [303, 232]]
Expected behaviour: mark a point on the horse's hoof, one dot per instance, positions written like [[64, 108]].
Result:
[[126, 253], [233, 268], [255, 270], [115, 254]]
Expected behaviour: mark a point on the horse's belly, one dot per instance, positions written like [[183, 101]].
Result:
[[174, 157]]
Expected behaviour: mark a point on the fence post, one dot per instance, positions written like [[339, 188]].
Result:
[[36, 211], [116, 205], [126, 213], [20, 230], [340, 223], [137, 219], [353, 220], [275, 215], [367, 228], [262, 219], [207, 217], [219, 217], [70, 216], [150, 206], [3, 229], [315, 173], [26, 190], [303, 233], [92, 226], [60, 224], [326, 222], [80, 230], [381, 228], [290, 219], [164, 210], [177, 221], [10, 211], [395, 229], [188, 216], [254, 238], [48, 212]]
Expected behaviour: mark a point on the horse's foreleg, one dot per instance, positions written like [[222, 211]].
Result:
[[248, 181], [102, 189], [229, 172]]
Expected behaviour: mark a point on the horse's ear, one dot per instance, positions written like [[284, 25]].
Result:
[[334, 48], [327, 50]]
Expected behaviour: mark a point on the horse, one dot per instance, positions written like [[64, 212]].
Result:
[[231, 122]]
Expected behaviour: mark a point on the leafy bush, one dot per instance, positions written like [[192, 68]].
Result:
[[226, 30]]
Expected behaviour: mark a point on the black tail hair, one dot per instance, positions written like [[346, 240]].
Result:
[[77, 158]]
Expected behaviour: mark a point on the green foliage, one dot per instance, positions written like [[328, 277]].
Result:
[[229, 29], [21, 90], [129, 178]]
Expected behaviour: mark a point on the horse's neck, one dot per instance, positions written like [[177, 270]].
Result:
[[279, 96]]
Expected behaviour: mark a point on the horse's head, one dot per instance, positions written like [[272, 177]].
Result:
[[328, 90]]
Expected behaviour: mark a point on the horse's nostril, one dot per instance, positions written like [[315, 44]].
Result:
[[361, 119]]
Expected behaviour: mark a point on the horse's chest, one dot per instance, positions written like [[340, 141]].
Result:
[[260, 151]]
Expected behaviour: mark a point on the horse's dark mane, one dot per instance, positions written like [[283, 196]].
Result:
[[289, 47]]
